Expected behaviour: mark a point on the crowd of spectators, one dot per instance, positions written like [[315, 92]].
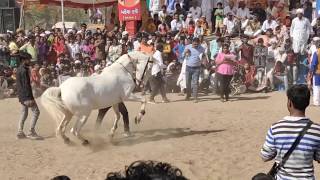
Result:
[[272, 45]]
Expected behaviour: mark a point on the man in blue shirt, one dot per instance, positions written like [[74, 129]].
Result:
[[193, 54]]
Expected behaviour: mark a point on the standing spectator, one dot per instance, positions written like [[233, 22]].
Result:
[[30, 48], [215, 47], [260, 60], [315, 71], [195, 10], [157, 82], [163, 14], [155, 6], [193, 65], [218, 15], [25, 96], [3, 51], [114, 51], [246, 51], [224, 72], [43, 49], [99, 45], [307, 7], [283, 133], [230, 8], [198, 31], [300, 32], [179, 49], [73, 48]]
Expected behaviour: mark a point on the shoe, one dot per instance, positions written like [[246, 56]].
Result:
[[187, 98], [34, 136], [21, 135], [152, 102], [222, 99]]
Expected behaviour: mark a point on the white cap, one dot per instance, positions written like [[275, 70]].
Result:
[[70, 31], [149, 42], [316, 38], [8, 31], [125, 33], [42, 35], [47, 32], [300, 10], [79, 32], [77, 62]]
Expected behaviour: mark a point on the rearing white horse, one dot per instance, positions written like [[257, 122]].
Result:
[[78, 96]]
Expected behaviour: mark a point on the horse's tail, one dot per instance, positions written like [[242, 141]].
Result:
[[52, 102]]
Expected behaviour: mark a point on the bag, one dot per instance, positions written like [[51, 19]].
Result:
[[276, 166]]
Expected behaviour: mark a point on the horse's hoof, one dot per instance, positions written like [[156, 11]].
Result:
[[66, 140], [85, 143], [127, 134]]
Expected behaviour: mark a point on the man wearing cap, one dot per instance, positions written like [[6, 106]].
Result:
[[193, 54], [229, 23], [300, 31], [26, 98]]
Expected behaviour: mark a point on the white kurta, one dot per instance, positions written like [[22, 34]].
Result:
[[300, 31], [181, 82]]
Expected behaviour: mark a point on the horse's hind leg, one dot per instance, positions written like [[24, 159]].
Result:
[[62, 127], [117, 117], [77, 128]]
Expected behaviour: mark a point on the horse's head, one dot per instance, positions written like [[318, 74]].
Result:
[[137, 64]]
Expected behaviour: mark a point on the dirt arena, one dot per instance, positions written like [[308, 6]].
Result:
[[208, 140]]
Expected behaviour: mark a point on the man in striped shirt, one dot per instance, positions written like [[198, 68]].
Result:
[[282, 134]]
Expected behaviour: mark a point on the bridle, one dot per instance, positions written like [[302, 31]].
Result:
[[135, 80]]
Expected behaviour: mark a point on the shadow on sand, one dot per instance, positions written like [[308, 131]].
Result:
[[147, 136], [159, 134]]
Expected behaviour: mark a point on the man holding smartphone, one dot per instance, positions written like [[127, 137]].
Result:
[[26, 98]]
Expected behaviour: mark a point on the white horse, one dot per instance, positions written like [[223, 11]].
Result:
[[78, 96]]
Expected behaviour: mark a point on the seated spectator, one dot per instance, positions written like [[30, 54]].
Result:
[[195, 10], [270, 23], [163, 14], [279, 77], [177, 23], [150, 27], [114, 51], [191, 28], [253, 28], [229, 24], [198, 31], [163, 28]]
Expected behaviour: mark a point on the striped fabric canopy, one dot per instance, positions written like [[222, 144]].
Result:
[[86, 4]]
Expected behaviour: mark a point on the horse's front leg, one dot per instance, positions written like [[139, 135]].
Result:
[[117, 117], [137, 98]]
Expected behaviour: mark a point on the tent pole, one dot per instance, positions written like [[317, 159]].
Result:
[[62, 16], [21, 14]]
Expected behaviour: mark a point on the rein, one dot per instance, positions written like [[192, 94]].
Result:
[[132, 76]]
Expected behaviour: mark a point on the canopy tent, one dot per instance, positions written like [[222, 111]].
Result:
[[85, 4]]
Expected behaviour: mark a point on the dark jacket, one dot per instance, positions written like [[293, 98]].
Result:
[[24, 89]]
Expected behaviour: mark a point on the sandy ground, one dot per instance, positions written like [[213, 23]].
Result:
[[207, 140]]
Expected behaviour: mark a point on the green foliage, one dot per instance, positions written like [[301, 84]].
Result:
[[46, 16]]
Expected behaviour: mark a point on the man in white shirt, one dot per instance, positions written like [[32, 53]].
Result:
[[176, 23], [300, 31], [230, 8], [156, 80], [195, 11], [155, 6], [74, 48], [229, 23], [269, 23]]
